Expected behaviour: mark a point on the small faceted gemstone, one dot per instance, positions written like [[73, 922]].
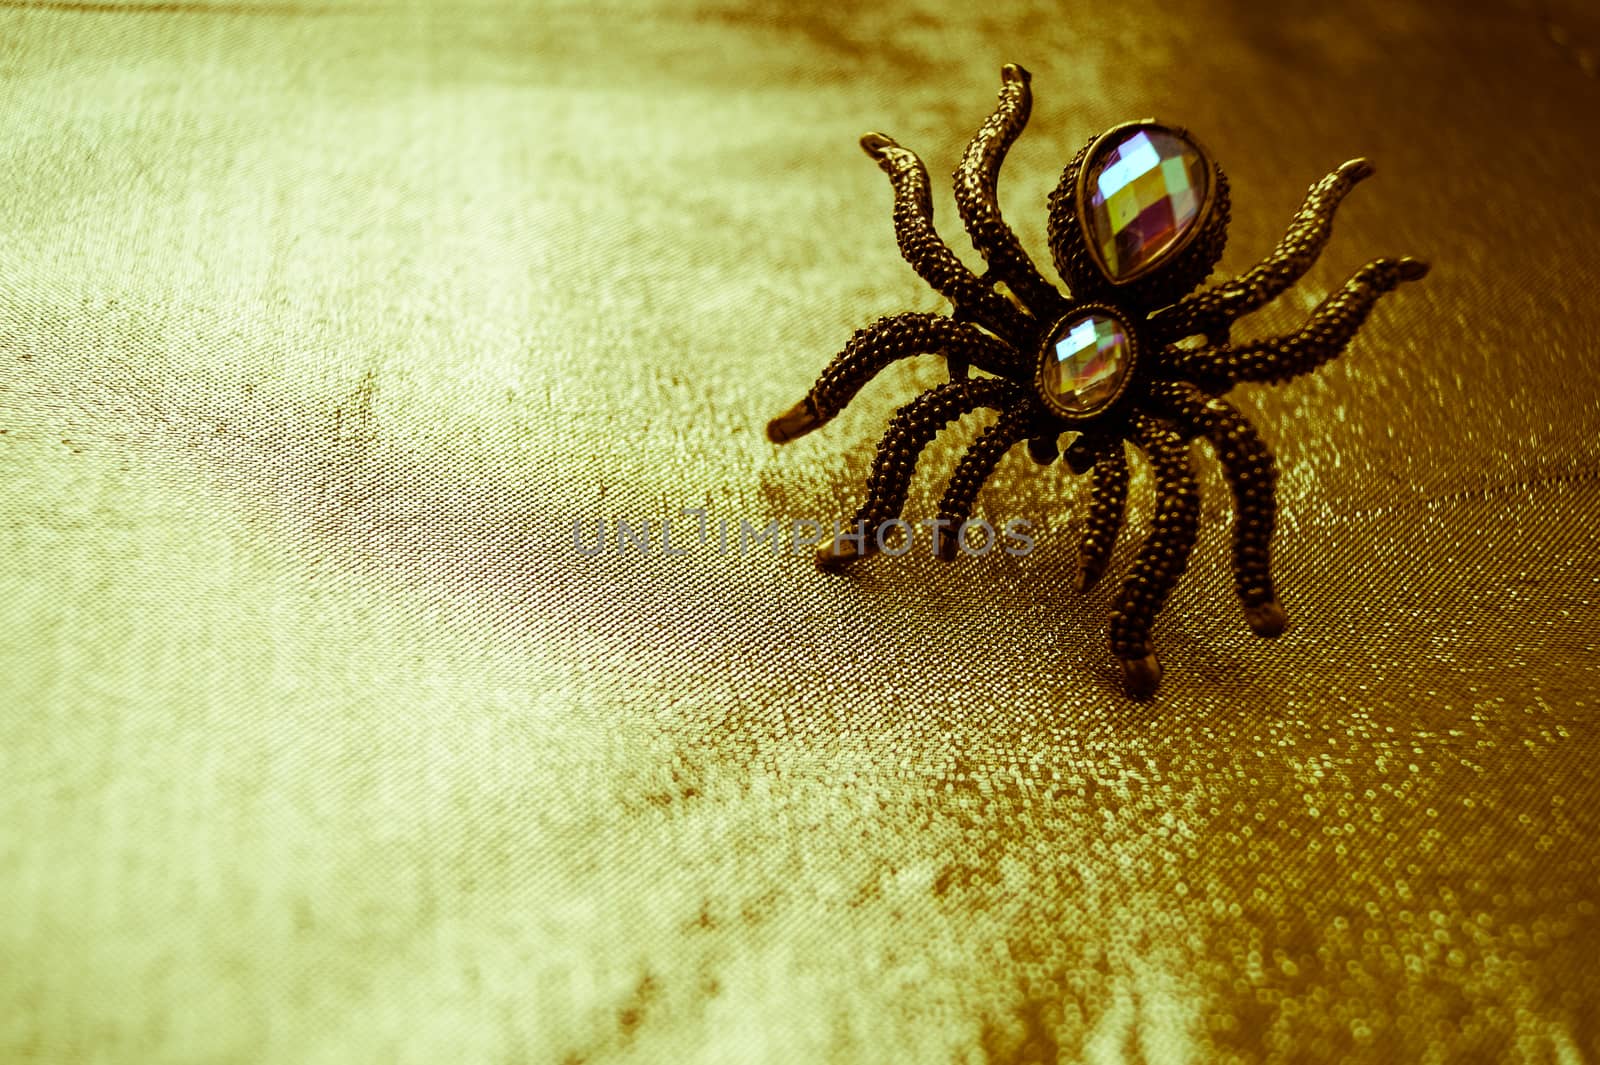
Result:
[[1085, 363], [1144, 191]]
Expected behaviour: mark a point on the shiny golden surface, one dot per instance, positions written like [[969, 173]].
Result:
[[319, 742]]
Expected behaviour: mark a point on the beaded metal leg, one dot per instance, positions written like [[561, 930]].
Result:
[[931, 257], [1249, 468], [976, 198], [1162, 559], [971, 473], [1213, 309], [1323, 337], [1108, 499], [910, 431], [875, 347]]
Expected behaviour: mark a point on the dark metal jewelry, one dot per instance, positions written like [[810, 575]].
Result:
[[1136, 223]]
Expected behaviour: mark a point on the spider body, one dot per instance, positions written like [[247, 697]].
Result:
[[1136, 224]]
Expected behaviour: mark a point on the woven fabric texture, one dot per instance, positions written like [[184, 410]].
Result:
[[321, 740]]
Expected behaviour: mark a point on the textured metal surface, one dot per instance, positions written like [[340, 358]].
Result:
[[977, 192], [1252, 476], [320, 743]]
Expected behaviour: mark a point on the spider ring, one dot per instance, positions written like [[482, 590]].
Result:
[[1136, 224]]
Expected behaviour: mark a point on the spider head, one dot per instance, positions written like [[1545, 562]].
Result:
[[1139, 218]]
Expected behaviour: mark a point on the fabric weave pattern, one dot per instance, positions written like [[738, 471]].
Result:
[[320, 741]]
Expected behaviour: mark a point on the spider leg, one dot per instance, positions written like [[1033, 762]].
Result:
[[1248, 465], [910, 431], [1107, 500], [931, 257], [881, 343], [1322, 338], [1212, 310], [1162, 559], [974, 469], [976, 198]]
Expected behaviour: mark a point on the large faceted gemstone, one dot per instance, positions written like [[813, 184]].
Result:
[[1084, 364], [1143, 192]]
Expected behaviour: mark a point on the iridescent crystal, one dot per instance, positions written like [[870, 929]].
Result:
[[1142, 192], [1084, 364]]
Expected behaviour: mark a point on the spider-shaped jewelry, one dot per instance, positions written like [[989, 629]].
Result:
[[1138, 220]]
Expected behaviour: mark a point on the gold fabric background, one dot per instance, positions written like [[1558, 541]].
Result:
[[320, 325]]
